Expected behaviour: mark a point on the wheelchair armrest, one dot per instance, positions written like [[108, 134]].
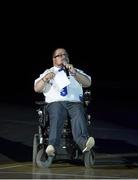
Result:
[[87, 95], [40, 103]]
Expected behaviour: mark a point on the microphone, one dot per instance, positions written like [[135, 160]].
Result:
[[66, 61], [67, 72]]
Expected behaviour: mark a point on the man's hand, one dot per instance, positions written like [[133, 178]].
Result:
[[49, 76], [71, 69]]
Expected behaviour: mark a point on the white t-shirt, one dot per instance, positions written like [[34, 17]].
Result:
[[52, 92]]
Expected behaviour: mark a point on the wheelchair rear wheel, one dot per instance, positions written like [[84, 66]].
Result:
[[35, 147], [89, 159]]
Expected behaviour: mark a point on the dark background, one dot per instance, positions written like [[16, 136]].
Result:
[[100, 41]]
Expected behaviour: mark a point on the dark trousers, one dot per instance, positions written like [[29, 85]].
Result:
[[76, 112]]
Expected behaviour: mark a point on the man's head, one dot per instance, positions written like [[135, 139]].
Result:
[[60, 56]]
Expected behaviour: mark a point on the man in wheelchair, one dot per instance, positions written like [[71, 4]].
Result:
[[62, 86]]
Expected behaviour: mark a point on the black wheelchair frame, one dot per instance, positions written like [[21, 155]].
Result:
[[68, 149]]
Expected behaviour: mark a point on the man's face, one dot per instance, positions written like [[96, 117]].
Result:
[[60, 57]]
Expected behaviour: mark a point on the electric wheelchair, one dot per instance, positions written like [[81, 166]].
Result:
[[68, 149]]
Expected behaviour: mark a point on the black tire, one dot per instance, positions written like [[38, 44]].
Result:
[[89, 159], [42, 160], [35, 148]]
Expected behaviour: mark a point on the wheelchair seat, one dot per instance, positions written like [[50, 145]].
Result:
[[68, 149]]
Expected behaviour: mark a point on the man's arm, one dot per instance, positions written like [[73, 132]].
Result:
[[79, 75], [82, 78], [39, 85], [42, 82]]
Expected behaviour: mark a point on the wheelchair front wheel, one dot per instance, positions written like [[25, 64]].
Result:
[[42, 160], [89, 159]]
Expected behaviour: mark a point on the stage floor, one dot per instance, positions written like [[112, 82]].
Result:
[[107, 166]]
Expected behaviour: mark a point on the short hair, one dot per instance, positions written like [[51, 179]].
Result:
[[53, 53]]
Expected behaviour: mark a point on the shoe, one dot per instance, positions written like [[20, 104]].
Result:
[[89, 144], [50, 150]]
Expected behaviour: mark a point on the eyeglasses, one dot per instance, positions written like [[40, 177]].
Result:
[[60, 55]]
